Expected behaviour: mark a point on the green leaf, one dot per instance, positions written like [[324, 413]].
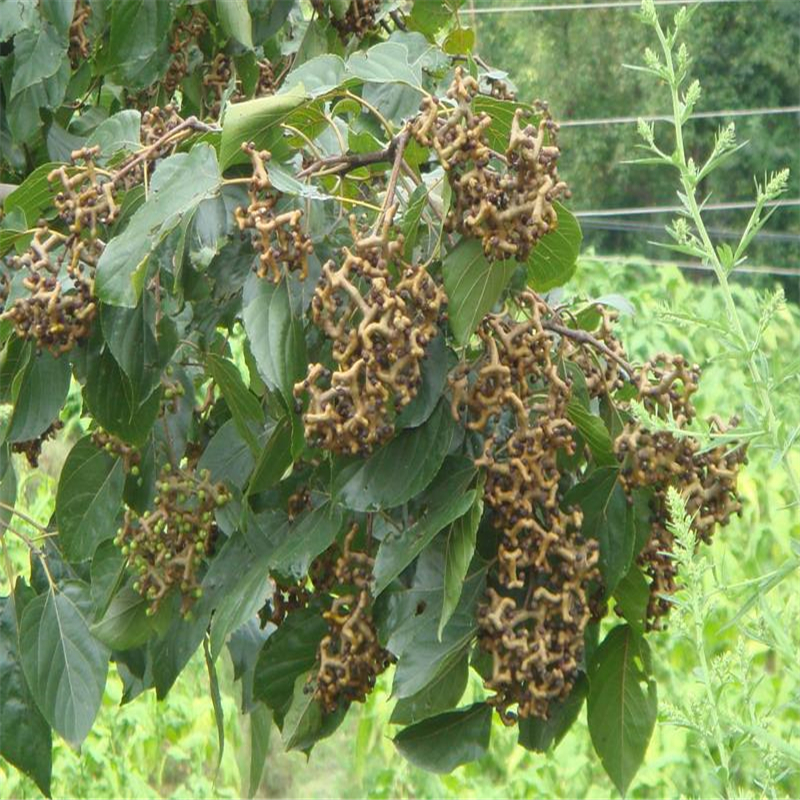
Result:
[[502, 114], [442, 743], [34, 195], [38, 55], [554, 259], [216, 702], [386, 62], [400, 469], [25, 738], [623, 703], [540, 735], [64, 665], [398, 550], [411, 218], [434, 378], [287, 654], [594, 431], [311, 535], [132, 341], [473, 286], [248, 416], [440, 695], [227, 456], [125, 623], [275, 458], [429, 16], [316, 76], [633, 596], [42, 390], [179, 185], [461, 40], [109, 398], [606, 518], [275, 335], [234, 16], [88, 499], [253, 121], [260, 729], [121, 131], [305, 722], [459, 550]]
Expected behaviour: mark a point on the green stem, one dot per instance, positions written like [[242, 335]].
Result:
[[689, 188]]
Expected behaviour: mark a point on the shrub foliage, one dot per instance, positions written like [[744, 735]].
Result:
[[301, 263]]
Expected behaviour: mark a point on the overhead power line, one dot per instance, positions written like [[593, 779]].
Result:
[[630, 212], [730, 112], [694, 265], [599, 6], [722, 233]]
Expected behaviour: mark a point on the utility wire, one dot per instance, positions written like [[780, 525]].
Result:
[[722, 233], [693, 265], [595, 6], [630, 212], [731, 112]]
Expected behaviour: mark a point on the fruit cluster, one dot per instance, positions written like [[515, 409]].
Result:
[[359, 19], [533, 619], [503, 199], [278, 237], [79, 43], [379, 326], [349, 655], [32, 448], [660, 458], [167, 545]]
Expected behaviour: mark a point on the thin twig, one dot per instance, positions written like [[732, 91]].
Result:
[[584, 337], [400, 143]]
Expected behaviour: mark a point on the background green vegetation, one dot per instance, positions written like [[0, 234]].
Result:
[[169, 749]]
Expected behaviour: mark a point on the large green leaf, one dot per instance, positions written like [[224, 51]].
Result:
[[458, 553], [108, 395], [473, 286], [275, 335], [440, 695], [607, 518], [40, 394], [260, 729], [234, 17], [554, 259], [594, 431], [540, 735], [623, 703], [34, 195], [126, 623], [287, 654], [386, 62], [275, 458], [25, 738], [38, 55], [442, 743], [306, 722], [253, 121], [248, 416], [64, 665], [311, 535], [316, 76], [88, 499], [399, 549], [434, 377], [400, 469], [179, 185], [632, 596]]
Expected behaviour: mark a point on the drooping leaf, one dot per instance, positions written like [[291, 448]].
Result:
[[64, 665], [440, 695], [40, 393], [594, 431], [88, 499], [216, 701], [444, 742], [386, 62], [398, 550], [275, 335], [554, 259], [234, 17], [623, 703], [632, 596], [607, 518], [275, 458], [287, 654], [179, 185], [434, 377], [260, 728], [248, 416], [311, 535], [473, 286], [125, 623], [25, 738], [400, 469], [316, 76], [459, 550], [305, 722], [540, 735], [253, 121]]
